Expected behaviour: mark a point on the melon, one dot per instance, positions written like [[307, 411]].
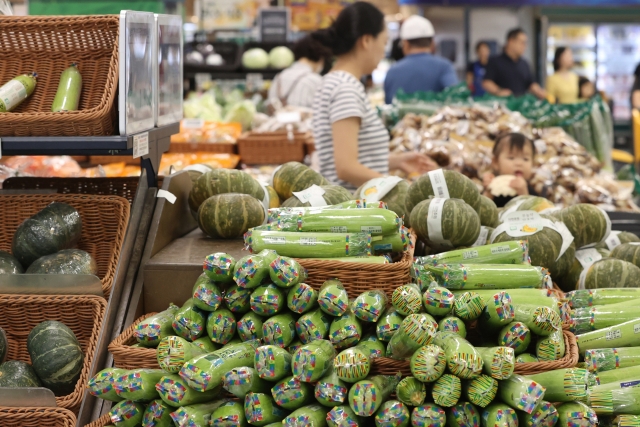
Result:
[[628, 252], [460, 223], [488, 212], [9, 264], [544, 246], [333, 194], [587, 223], [222, 181], [612, 273], [274, 199], [569, 281], [67, 261], [293, 177], [56, 356], [395, 199], [230, 215], [623, 236], [15, 373], [459, 186]]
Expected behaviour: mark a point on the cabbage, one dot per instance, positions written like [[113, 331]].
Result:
[[255, 58], [242, 112], [202, 107], [280, 57]]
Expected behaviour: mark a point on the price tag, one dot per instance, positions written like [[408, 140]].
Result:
[[439, 184], [434, 221], [613, 334], [192, 123], [377, 188], [613, 240], [482, 237], [312, 195], [308, 241], [586, 257], [286, 117], [171, 198], [140, 145]]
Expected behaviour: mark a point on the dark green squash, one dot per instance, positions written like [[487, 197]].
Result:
[[229, 216], [4, 346], [56, 356], [223, 181], [56, 227], [9, 264], [67, 261], [15, 373]]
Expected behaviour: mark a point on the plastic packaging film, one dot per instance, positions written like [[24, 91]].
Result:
[[483, 276], [377, 222], [514, 252], [309, 245]]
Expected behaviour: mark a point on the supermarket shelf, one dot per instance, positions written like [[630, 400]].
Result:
[[192, 69]]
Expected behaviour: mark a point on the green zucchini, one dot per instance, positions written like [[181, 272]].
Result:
[[463, 359], [468, 306], [407, 299], [302, 298], [272, 363], [370, 305], [607, 359], [498, 311], [205, 372], [307, 416], [438, 301], [353, 364], [139, 385], [221, 326], [345, 331], [294, 346], [312, 361], [392, 413], [422, 277], [366, 396], [453, 324], [237, 299], [563, 385], [376, 221], [127, 414], [527, 358], [499, 415], [267, 300], [313, 325], [590, 297], [371, 343], [446, 390], [251, 270], [464, 414], [388, 324], [622, 335], [229, 414], [250, 327], [330, 390], [545, 415], [68, 94], [189, 321], [291, 394], [279, 330], [551, 347], [516, 252], [618, 375], [206, 344], [286, 272], [576, 413], [206, 294], [176, 392], [415, 331], [343, 416], [428, 363], [260, 409], [102, 384], [157, 414], [520, 393], [411, 391], [498, 362], [394, 242], [242, 380], [219, 267], [515, 335], [622, 421], [428, 414], [542, 321], [483, 276], [196, 415], [481, 390], [590, 319], [333, 298], [380, 259]]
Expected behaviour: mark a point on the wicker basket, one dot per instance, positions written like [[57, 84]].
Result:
[[272, 148], [83, 314], [203, 147], [104, 224], [570, 359], [387, 366], [36, 417], [48, 45], [127, 357], [104, 420]]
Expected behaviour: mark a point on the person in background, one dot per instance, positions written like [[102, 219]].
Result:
[[586, 89], [351, 140], [476, 70], [563, 86], [297, 84], [419, 70], [635, 90], [509, 73]]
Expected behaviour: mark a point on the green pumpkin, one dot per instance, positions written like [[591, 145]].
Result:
[[569, 282], [459, 186], [56, 227], [395, 199], [293, 177], [587, 223], [222, 181], [56, 356], [460, 223], [229, 216], [544, 246], [333, 194], [612, 273], [534, 203], [628, 252], [9, 264], [563, 264], [67, 261], [15, 373], [488, 212], [623, 236], [274, 199]]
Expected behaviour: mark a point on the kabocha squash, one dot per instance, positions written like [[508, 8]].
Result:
[[587, 223], [488, 212], [274, 199], [459, 223], [15, 373], [9, 264], [537, 204], [333, 194], [222, 181], [67, 261], [617, 238], [611, 273], [458, 186], [229, 216], [56, 356], [570, 280], [629, 252], [56, 227], [293, 177]]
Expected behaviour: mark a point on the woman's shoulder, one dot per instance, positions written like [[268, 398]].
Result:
[[341, 81]]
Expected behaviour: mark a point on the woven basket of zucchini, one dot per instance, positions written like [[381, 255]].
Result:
[[104, 420], [58, 336], [126, 355], [37, 417], [88, 233]]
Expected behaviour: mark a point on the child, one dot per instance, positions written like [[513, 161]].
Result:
[[513, 154]]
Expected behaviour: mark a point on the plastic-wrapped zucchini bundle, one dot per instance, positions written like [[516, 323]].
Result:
[[422, 277], [498, 362], [540, 320], [453, 324], [366, 396], [349, 204], [219, 267], [102, 384], [545, 415], [173, 352], [151, 330], [242, 380], [605, 296], [196, 415], [309, 245], [482, 276], [563, 385], [607, 359], [616, 402], [552, 347], [515, 252], [251, 270], [415, 331], [370, 305], [428, 414], [292, 394], [463, 359], [377, 222], [618, 375], [521, 393], [396, 242], [622, 335], [481, 390], [515, 335], [127, 413], [593, 318], [576, 413], [392, 413], [446, 391], [438, 301], [468, 306], [411, 391], [206, 294]]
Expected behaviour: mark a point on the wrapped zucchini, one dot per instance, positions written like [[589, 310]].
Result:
[[237, 299], [173, 352], [438, 301], [196, 415], [286, 272], [622, 335], [330, 390], [415, 331], [279, 330], [516, 252], [309, 245], [272, 363], [302, 298], [176, 392], [343, 416], [576, 413], [428, 414], [371, 343], [411, 391], [370, 305], [242, 380], [267, 300], [375, 221], [206, 344], [189, 321], [312, 361], [607, 359], [589, 319], [468, 306], [313, 325], [206, 294], [482, 276], [407, 299], [563, 385], [127, 414], [590, 297], [540, 320], [102, 384], [428, 363], [353, 364], [219, 267], [345, 330], [551, 347], [307, 416], [157, 414], [249, 327], [446, 390], [260, 409], [498, 362], [462, 358], [392, 414], [464, 414], [545, 415], [499, 415], [395, 242], [221, 326], [333, 298], [251, 270], [422, 277], [618, 375], [366, 396], [527, 358], [229, 414], [139, 385], [521, 393], [453, 324], [151, 330], [498, 311], [515, 335], [291, 394], [481, 390], [388, 324]]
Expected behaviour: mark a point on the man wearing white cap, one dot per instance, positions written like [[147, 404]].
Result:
[[419, 70]]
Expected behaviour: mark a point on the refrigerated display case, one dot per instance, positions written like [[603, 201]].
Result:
[[581, 39]]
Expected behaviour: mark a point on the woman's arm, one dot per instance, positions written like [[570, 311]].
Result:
[[345, 149]]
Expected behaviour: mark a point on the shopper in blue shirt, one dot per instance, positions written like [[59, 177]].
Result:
[[476, 70], [419, 70]]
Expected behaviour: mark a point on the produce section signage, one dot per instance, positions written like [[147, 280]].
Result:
[[274, 24], [228, 14]]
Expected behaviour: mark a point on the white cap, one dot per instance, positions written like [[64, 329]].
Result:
[[416, 27]]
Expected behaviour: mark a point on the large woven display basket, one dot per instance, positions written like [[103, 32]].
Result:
[[127, 357], [36, 417], [272, 148]]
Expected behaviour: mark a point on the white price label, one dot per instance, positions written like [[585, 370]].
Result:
[[469, 254], [192, 123], [523, 223], [338, 229], [373, 229], [287, 117], [308, 241], [613, 334], [439, 184], [482, 237], [636, 328], [312, 195], [613, 240], [434, 221], [377, 188], [140, 145], [275, 240], [171, 198], [586, 257]]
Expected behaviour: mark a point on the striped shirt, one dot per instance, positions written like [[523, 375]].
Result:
[[306, 84], [340, 97]]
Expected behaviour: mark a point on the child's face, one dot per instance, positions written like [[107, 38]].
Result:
[[512, 161]]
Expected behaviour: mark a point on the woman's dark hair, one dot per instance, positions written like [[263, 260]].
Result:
[[482, 43], [354, 21], [558, 55], [312, 49], [515, 141]]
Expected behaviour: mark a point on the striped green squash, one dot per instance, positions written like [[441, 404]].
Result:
[[293, 177], [333, 194], [9, 264], [535, 203], [229, 216], [222, 181], [564, 264], [569, 282], [488, 212], [623, 236], [460, 223], [67, 261], [587, 223], [274, 199], [395, 199], [460, 187], [56, 356], [628, 252], [15, 373], [612, 273], [544, 246], [516, 200]]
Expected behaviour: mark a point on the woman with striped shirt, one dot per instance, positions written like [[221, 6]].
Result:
[[351, 140]]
